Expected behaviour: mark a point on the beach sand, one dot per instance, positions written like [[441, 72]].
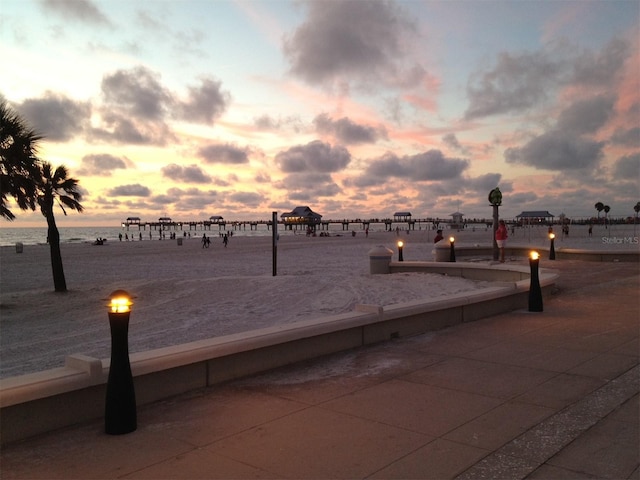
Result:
[[186, 293]]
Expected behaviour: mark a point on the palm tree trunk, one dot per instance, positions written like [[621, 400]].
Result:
[[57, 269]]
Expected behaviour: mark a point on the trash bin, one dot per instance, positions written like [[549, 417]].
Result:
[[19, 247], [442, 251], [379, 259], [180, 241]]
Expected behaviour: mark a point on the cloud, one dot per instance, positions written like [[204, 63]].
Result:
[[517, 82], [627, 167], [601, 68], [246, 199], [344, 40], [346, 131], [427, 166], [587, 115], [206, 102], [309, 186], [267, 122], [81, 10], [135, 190], [138, 92], [224, 153], [556, 150], [487, 182], [100, 164], [566, 146], [451, 141], [315, 156], [521, 81], [629, 138], [55, 116], [262, 177], [189, 174], [135, 107], [188, 199], [119, 128]]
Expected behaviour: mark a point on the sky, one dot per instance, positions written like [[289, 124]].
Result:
[[358, 109]]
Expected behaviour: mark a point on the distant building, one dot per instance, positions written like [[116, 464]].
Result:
[[216, 219], [533, 217], [402, 216], [457, 221], [301, 216]]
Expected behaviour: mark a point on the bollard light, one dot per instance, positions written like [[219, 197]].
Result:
[[535, 293], [120, 406], [400, 257], [452, 251], [552, 248]]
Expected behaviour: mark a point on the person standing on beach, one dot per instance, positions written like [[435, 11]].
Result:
[[501, 238], [438, 236]]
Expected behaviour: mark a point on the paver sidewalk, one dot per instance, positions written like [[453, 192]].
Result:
[[520, 395]]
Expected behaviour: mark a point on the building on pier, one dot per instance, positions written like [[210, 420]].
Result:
[[457, 221], [301, 216]]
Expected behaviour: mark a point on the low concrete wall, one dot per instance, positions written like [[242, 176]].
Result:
[[441, 251], [37, 403]]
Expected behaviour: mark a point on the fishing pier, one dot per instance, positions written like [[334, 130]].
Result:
[[219, 223]]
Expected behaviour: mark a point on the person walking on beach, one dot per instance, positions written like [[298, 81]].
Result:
[[501, 238], [225, 240], [205, 241]]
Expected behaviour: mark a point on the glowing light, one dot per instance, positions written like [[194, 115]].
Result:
[[451, 239], [552, 236], [535, 255], [400, 243], [120, 302]]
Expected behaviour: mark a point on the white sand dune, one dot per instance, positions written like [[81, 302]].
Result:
[[185, 293]]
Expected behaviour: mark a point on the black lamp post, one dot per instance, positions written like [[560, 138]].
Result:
[[400, 257], [535, 293], [452, 251], [120, 407], [552, 249]]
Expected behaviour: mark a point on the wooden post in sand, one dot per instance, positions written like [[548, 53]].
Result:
[[274, 242]]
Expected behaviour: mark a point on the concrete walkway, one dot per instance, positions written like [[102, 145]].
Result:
[[519, 395]]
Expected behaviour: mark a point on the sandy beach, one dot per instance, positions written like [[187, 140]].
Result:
[[186, 292]]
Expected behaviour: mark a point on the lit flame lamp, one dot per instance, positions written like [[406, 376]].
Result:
[[535, 292], [452, 249], [120, 403]]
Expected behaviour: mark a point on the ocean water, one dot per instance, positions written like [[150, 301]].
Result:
[[38, 235]]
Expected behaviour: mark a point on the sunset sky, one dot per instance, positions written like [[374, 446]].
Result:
[[358, 109]]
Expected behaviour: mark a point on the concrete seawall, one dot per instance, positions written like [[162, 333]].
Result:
[[36, 403]]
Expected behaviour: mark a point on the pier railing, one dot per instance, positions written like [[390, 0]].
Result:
[[347, 224]]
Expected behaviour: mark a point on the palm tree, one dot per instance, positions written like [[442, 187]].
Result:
[[606, 209], [19, 166], [55, 186], [599, 207]]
